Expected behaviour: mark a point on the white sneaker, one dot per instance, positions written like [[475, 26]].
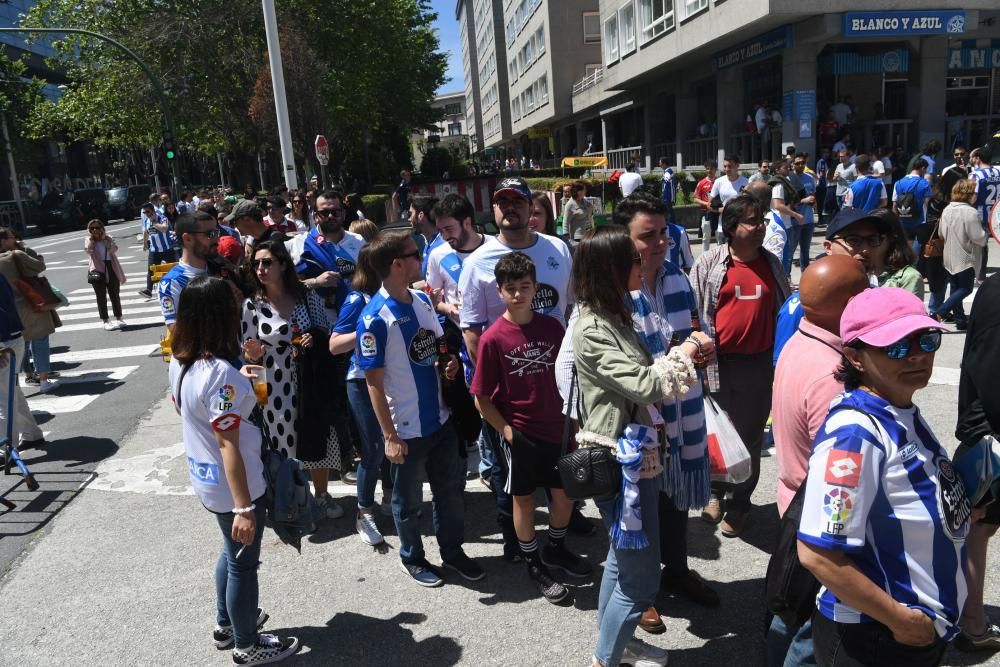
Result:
[[120, 324], [45, 386], [640, 654], [108, 326], [365, 525], [329, 506]]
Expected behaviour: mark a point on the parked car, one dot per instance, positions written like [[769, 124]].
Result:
[[72, 210], [126, 201]]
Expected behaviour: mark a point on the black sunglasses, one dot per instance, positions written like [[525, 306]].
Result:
[[265, 262], [415, 255], [929, 341], [212, 234]]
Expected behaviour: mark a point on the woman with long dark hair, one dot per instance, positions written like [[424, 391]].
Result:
[[619, 388], [103, 253], [277, 321], [222, 446]]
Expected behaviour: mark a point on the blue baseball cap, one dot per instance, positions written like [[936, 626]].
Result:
[[514, 186], [848, 216]]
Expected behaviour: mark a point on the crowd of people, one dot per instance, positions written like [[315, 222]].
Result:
[[333, 339]]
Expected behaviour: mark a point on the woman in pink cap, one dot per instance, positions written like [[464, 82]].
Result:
[[884, 515]]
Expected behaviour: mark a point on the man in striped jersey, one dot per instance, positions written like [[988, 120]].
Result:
[[987, 180], [159, 242], [199, 236], [397, 349]]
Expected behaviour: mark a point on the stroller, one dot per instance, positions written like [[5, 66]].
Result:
[[8, 448]]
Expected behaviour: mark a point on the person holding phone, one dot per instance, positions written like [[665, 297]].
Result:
[[103, 253], [223, 448]]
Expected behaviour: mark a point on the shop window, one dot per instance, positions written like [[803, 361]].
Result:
[[626, 28], [611, 40], [655, 17], [591, 28]]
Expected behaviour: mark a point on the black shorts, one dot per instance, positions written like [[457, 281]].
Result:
[[528, 464]]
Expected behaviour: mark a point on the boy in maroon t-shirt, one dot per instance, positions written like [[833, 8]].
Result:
[[515, 390]]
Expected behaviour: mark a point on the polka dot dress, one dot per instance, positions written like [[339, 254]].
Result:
[[263, 322]]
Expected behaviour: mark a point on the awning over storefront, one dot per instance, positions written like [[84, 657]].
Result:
[[896, 61], [972, 57]]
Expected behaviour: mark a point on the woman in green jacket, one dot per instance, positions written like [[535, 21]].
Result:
[[900, 260], [618, 383]]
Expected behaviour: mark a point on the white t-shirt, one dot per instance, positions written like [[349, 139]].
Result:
[[726, 189], [775, 237], [215, 397], [481, 304], [444, 269], [878, 169], [629, 182]]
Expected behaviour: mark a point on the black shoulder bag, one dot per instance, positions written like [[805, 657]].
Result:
[[586, 472]]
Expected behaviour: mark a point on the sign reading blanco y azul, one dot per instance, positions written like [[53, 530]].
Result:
[[881, 24], [765, 45]]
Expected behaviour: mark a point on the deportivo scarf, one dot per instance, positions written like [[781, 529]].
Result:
[[626, 530], [329, 257], [686, 477]]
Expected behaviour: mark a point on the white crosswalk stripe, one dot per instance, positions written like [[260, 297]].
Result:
[[57, 405], [86, 326], [89, 304], [127, 313], [106, 353], [80, 265]]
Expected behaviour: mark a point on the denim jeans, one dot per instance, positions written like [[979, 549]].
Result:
[[438, 455], [631, 578], [789, 646], [236, 591], [40, 354], [498, 482], [959, 286], [791, 243], [372, 444], [805, 245]]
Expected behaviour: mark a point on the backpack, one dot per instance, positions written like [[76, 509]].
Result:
[[906, 204], [792, 195]]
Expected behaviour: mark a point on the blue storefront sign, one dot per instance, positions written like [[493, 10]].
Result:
[[971, 57], [760, 47], [895, 23]]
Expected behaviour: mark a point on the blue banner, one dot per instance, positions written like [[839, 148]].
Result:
[[916, 22], [805, 104], [975, 58], [760, 47]]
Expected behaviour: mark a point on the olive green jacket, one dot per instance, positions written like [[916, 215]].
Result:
[[617, 378]]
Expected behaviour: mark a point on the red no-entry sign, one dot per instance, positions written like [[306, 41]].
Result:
[[322, 150]]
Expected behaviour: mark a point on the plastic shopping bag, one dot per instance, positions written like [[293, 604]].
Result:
[[727, 454]]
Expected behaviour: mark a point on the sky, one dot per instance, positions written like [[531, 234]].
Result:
[[447, 31]]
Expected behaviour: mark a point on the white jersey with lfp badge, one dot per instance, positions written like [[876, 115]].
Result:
[[887, 496], [170, 287], [215, 397], [402, 339], [444, 270], [481, 303]]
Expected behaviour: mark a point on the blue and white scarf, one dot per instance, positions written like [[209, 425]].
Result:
[[626, 530], [686, 478]]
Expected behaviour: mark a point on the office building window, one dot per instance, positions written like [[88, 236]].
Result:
[[692, 7], [626, 28], [611, 40], [454, 129], [656, 17], [453, 109], [591, 28]]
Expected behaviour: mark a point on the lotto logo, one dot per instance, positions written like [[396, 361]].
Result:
[[843, 468], [226, 423]]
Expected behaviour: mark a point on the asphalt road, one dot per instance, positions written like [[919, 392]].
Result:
[[120, 571]]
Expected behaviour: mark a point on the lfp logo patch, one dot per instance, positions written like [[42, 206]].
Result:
[[837, 504], [227, 392]]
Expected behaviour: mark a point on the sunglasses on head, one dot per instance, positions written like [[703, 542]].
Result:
[[929, 341], [265, 262]]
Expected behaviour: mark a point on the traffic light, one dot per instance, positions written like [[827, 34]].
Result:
[[169, 151]]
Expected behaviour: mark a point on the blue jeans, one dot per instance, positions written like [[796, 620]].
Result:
[[236, 591], [791, 243], [959, 286], [40, 354], [438, 455], [789, 646], [805, 245], [631, 578], [372, 444]]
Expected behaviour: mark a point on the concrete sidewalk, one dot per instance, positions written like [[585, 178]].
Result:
[[125, 577]]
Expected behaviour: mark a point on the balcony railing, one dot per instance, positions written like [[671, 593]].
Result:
[[588, 81]]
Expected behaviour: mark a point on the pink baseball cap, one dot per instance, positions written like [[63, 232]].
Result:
[[883, 315]]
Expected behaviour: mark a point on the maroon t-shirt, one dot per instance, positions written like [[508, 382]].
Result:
[[515, 368]]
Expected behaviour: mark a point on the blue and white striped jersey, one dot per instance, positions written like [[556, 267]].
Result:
[[987, 189], [347, 322], [679, 247], [435, 242], [158, 241], [170, 287], [402, 339], [888, 497]]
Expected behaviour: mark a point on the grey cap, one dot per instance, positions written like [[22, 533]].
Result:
[[243, 208]]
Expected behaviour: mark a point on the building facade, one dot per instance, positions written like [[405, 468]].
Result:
[[452, 128], [694, 79]]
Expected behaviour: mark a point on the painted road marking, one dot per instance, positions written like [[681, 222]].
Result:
[[57, 405], [126, 313], [91, 305], [80, 266], [76, 238], [94, 326], [116, 374], [146, 350]]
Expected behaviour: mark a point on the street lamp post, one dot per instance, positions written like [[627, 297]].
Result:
[[280, 103]]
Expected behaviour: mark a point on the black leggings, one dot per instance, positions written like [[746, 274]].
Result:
[[108, 287]]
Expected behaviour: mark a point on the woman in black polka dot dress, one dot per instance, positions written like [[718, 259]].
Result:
[[280, 310]]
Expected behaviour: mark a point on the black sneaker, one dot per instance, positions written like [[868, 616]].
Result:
[[562, 559], [267, 649], [223, 635], [551, 589], [146, 293], [465, 566]]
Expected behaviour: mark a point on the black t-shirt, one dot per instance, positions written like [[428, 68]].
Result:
[[978, 400]]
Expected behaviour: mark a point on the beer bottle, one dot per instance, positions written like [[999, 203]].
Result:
[[444, 357]]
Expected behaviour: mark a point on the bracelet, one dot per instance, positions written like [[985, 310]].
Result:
[[244, 510], [697, 344]]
